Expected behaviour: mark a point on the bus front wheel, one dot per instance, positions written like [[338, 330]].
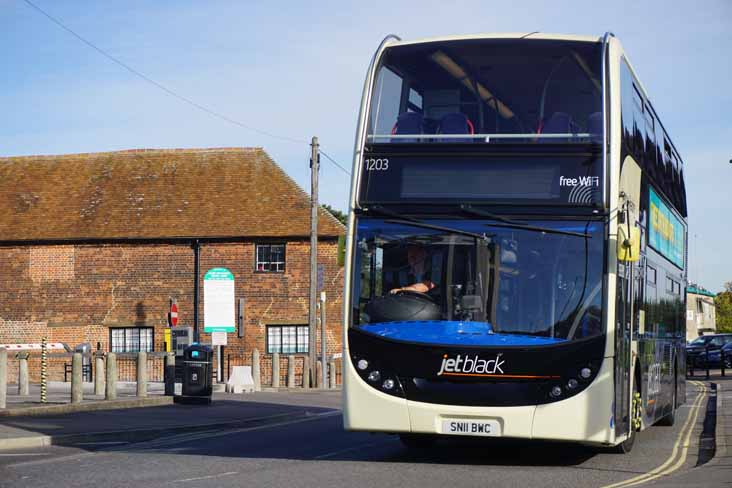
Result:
[[635, 415]]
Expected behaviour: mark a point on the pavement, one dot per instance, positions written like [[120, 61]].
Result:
[[132, 424], [717, 472], [59, 400], [296, 439]]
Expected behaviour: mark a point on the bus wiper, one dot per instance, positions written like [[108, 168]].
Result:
[[512, 224], [477, 211], [396, 218]]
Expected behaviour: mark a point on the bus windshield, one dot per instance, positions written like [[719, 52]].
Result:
[[484, 284], [489, 90]]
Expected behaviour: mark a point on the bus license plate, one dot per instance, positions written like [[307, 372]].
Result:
[[489, 428]]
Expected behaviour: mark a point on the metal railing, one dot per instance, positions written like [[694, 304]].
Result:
[[708, 363], [127, 366]]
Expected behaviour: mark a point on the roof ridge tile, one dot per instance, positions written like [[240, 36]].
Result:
[[229, 149]]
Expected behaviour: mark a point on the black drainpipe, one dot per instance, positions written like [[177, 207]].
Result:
[[196, 290]]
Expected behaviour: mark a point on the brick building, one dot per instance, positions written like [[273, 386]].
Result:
[[94, 246]]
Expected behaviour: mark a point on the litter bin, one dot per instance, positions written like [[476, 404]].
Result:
[[197, 366]]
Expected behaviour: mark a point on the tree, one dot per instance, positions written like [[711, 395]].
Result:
[[342, 218], [723, 303]]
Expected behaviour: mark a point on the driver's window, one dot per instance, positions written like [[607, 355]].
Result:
[[378, 271], [372, 264], [436, 275]]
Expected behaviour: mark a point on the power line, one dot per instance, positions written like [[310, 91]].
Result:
[[159, 85], [171, 92], [335, 162]]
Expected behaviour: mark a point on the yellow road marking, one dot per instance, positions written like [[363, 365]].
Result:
[[684, 451], [685, 434]]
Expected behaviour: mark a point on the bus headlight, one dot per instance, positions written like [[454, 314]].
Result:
[[556, 391], [572, 384], [585, 373], [377, 375]]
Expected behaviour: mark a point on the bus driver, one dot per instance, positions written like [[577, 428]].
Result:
[[419, 271]]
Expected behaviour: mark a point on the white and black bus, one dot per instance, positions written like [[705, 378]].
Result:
[[516, 245]]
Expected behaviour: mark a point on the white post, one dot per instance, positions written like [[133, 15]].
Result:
[[276, 370], [77, 385], [3, 377], [256, 370], [141, 374], [306, 372], [291, 371], [332, 376], [99, 373], [23, 387], [323, 345], [110, 372]]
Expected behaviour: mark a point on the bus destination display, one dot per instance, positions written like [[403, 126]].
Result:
[[503, 179]]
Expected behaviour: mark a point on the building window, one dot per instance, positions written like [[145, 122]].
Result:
[[287, 339], [131, 339], [270, 258], [651, 275]]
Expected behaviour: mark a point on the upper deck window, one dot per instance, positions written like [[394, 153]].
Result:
[[488, 90]]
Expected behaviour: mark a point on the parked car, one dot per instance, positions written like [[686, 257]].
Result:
[[696, 350], [715, 356]]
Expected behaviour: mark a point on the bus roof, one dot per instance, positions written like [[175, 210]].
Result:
[[534, 35], [503, 35]]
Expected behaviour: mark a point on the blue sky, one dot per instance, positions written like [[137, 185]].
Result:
[[297, 69]]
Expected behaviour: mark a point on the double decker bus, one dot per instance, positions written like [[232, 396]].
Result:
[[516, 252]]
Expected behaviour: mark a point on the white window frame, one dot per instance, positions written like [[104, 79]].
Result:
[[262, 265], [131, 339], [287, 339]]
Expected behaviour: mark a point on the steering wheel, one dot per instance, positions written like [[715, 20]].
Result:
[[416, 294]]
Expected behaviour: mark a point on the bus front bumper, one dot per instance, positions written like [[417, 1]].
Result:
[[586, 417]]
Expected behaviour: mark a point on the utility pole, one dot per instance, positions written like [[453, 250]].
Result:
[[312, 317]]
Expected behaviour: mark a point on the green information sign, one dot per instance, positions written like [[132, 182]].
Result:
[[219, 314], [218, 274]]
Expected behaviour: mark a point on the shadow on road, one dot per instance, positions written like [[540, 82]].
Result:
[[498, 452], [156, 420], [323, 439]]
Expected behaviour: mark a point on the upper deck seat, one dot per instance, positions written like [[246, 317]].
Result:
[[455, 123], [408, 123], [558, 123]]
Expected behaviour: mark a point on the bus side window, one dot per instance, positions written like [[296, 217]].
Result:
[[639, 124], [387, 102], [651, 299]]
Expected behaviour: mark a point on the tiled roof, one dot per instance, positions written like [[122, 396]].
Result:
[[153, 194]]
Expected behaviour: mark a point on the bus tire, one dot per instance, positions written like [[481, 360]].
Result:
[[627, 445], [669, 419], [417, 441]]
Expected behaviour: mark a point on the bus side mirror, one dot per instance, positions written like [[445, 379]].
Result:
[[628, 245]]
